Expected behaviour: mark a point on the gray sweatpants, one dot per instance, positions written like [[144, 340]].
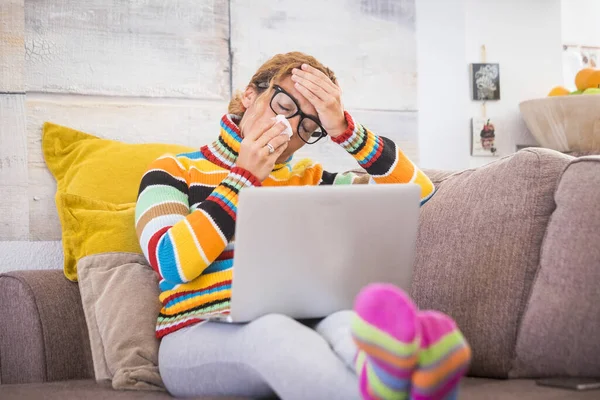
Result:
[[273, 355]]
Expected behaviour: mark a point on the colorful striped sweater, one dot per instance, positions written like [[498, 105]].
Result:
[[186, 211]]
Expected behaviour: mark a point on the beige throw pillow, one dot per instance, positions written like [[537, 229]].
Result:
[[119, 292]]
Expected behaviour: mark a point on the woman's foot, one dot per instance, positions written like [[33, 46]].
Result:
[[402, 351], [443, 358], [386, 331]]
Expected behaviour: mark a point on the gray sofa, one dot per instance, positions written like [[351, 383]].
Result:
[[511, 250]]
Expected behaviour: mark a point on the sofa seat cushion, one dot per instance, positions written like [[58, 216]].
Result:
[[82, 389], [470, 389], [516, 389], [478, 250]]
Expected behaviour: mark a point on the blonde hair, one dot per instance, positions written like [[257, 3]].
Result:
[[273, 70]]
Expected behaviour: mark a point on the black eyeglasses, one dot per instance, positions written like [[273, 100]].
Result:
[[309, 128]]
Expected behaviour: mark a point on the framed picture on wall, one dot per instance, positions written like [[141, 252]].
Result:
[[485, 81], [483, 136], [576, 58]]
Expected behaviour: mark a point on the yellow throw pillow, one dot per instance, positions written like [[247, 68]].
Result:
[[102, 169], [97, 185], [92, 226]]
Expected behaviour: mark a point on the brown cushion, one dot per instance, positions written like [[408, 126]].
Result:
[[43, 334], [478, 249], [470, 389], [560, 332], [82, 389], [437, 175], [517, 389], [119, 292]]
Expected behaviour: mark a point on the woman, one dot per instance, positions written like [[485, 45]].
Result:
[[185, 219]]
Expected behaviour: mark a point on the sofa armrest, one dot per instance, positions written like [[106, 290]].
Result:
[[43, 333]]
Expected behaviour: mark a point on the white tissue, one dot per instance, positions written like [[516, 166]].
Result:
[[288, 129]]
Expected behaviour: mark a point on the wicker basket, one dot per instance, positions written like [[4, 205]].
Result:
[[565, 123]]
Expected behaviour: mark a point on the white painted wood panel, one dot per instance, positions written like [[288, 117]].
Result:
[[370, 44], [13, 144], [14, 221], [191, 123], [401, 127], [155, 48], [12, 46], [14, 217], [24, 255]]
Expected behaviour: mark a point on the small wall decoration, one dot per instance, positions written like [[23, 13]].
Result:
[[587, 56], [484, 138], [577, 57], [485, 81]]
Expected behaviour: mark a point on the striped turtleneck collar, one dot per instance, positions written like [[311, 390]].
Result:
[[224, 151]]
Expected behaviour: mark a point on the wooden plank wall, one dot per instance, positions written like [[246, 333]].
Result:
[[158, 71], [14, 214], [12, 48], [126, 70], [370, 44], [154, 48]]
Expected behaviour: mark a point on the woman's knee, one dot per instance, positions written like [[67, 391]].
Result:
[[335, 329], [208, 369], [219, 378], [276, 330], [274, 319]]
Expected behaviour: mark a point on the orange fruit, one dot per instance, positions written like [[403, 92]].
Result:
[[581, 79], [594, 80], [559, 91]]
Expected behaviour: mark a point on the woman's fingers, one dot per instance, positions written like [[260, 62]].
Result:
[[254, 126], [273, 131], [321, 91], [257, 129], [279, 144], [313, 87], [279, 141], [279, 151], [328, 87], [310, 96], [316, 76]]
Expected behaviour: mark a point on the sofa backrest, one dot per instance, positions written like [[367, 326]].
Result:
[[478, 250], [560, 331]]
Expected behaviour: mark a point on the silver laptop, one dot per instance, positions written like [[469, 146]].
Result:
[[306, 251]]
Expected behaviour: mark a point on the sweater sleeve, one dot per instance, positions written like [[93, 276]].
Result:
[[180, 242], [381, 158]]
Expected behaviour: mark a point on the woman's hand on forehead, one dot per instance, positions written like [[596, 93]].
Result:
[[324, 95]]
